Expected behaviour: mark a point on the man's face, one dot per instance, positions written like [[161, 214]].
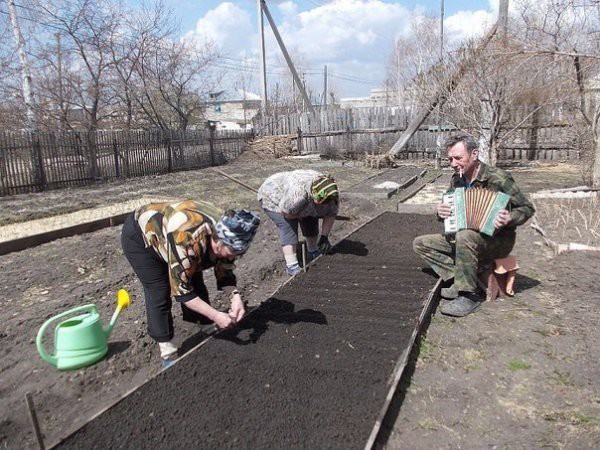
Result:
[[460, 158]]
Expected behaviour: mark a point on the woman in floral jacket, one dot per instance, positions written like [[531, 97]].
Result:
[[169, 245]]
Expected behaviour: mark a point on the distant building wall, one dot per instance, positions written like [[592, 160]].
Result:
[[240, 112]]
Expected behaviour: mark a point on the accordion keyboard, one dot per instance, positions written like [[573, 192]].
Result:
[[451, 222]]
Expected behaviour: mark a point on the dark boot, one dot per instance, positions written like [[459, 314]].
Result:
[[463, 305]]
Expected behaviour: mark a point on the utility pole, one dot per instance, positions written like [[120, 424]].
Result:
[[441, 30], [325, 87], [503, 18], [398, 84], [286, 56], [28, 96], [263, 64], [61, 98], [440, 134]]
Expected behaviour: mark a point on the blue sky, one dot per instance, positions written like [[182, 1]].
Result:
[[354, 38]]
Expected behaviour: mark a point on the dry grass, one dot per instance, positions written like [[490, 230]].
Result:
[[570, 220]]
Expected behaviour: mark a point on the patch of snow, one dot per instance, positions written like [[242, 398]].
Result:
[[564, 194], [387, 185]]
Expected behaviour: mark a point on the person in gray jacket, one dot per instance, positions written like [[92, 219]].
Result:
[[300, 198]]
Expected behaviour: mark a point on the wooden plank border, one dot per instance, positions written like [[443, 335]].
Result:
[[432, 300], [23, 243]]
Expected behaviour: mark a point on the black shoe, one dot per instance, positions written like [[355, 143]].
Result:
[[465, 304], [311, 256], [450, 293]]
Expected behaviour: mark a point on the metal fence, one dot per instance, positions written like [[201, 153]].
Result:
[[31, 162]]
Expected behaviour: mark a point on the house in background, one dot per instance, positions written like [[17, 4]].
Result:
[[406, 99], [377, 98], [232, 110]]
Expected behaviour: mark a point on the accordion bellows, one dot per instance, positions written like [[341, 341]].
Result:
[[474, 208]]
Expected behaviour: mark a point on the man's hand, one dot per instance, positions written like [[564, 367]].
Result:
[[324, 245], [502, 219], [443, 210], [237, 310]]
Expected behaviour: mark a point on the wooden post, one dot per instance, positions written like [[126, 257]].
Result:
[[116, 154], [169, 152], [299, 141], [349, 140], [533, 134], [303, 245], [211, 141], [92, 154], [34, 421], [38, 163]]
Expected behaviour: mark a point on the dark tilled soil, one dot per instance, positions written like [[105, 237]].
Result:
[[520, 373], [43, 281], [310, 367]]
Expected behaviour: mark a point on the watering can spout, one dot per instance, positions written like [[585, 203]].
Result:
[[123, 301]]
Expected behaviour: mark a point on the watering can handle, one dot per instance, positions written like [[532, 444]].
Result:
[[38, 340]]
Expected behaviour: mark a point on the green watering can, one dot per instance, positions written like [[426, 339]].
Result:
[[80, 340]]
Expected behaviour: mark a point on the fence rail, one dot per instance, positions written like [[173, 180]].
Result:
[[31, 162], [539, 133]]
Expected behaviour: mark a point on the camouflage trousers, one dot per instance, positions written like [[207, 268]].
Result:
[[460, 256]]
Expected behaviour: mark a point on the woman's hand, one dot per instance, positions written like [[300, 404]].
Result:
[[223, 320], [237, 310]]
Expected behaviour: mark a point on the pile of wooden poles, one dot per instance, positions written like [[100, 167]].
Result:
[[275, 146]]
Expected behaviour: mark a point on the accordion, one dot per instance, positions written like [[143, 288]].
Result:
[[474, 208]]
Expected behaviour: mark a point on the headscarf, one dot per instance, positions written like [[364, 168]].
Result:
[[237, 227], [324, 188]]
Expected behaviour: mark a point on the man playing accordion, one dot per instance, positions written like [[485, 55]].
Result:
[[458, 256]]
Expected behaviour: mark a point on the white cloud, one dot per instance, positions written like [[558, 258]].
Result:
[[468, 24], [346, 28], [228, 25], [353, 37], [288, 8]]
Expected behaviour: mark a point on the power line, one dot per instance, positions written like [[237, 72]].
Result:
[[45, 24], [310, 71], [224, 65]]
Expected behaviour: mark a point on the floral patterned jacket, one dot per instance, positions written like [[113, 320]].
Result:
[[180, 234]]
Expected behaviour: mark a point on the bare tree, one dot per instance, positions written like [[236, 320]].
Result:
[[176, 78], [146, 29], [28, 94], [13, 107], [495, 97], [549, 43], [87, 27], [413, 72], [566, 32]]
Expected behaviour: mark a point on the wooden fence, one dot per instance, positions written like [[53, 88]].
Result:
[[353, 132], [31, 162]]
